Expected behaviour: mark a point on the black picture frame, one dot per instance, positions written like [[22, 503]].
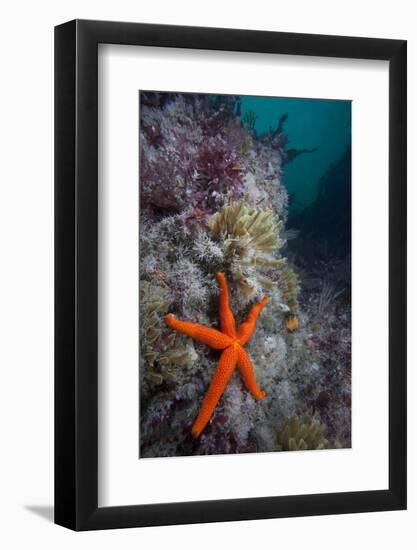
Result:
[[76, 271]]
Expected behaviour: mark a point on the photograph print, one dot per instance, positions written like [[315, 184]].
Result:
[[244, 274]]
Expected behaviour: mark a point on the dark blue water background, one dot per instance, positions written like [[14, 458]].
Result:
[[321, 123]]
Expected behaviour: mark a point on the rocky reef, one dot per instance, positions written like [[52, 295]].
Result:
[[212, 199]]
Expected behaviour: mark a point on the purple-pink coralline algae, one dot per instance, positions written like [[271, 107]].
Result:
[[192, 154]]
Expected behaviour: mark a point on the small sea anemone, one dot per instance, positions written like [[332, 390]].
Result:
[[301, 433], [154, 301], [160, 350]]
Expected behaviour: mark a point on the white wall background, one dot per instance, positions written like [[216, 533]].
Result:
[[26, 274]]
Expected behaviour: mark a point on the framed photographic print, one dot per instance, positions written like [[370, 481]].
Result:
[[230, 275]]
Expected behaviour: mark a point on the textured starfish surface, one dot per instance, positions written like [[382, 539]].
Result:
[[231, 341]]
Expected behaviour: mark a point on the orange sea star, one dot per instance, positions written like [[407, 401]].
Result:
[[231, 341]]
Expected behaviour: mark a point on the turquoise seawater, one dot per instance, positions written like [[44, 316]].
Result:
[[312, 123]]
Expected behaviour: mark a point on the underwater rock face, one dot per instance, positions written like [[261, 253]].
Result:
[[212, 199]]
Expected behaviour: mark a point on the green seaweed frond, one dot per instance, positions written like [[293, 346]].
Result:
[[301, 433]]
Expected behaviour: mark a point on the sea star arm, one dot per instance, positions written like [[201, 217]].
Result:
[[221, 377], [227, 320], [210, 336], [248, 374], [247, 328]]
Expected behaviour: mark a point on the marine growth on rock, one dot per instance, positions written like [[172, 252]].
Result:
[[213, 199]]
